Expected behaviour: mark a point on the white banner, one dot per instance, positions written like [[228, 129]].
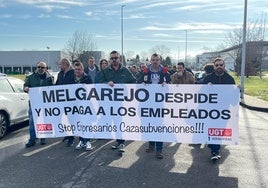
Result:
[[171, 113]]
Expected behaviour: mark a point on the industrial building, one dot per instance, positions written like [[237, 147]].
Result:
[[23, 62]]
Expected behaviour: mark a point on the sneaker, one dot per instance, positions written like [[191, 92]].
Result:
[[42, 141], [159, 155], [80, 145], [70, 142], [215, 157], [64, 139], [88, 146], [30, 144], [121, 148], [115, 146]]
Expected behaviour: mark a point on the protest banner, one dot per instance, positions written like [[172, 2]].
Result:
[[172, 113]]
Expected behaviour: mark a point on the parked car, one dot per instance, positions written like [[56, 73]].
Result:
[[2, 74], [199, 75], [54, 76], [13, 103]]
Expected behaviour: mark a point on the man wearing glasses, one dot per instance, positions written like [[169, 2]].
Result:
[[39, 78], [116, 73], [219, 76]]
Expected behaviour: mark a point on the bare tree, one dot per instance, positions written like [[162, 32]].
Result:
[[255, 37], [129, 54], [162, 50], [144, 56], [80, 46]]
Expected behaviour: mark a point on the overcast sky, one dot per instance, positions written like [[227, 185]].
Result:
[[36, 24]]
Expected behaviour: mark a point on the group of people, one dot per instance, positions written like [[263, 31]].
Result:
[[113, 72]]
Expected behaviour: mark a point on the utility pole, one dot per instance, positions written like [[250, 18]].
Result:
[[186, 38], [122, 34], [48, 57], [243, 63]]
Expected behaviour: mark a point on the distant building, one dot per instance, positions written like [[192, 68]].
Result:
[[208, 57], [22, 62]]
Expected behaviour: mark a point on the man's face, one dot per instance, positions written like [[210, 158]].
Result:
[[142, 67], [155, 61], [41, 68], [180, 68], [78, 71], [114, 60], [63, 65], [91, 63], [134, 69], [219, 67]]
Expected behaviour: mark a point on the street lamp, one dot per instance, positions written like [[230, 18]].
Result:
[[122, 29], [185, 59], [243, 63], [48, 56]]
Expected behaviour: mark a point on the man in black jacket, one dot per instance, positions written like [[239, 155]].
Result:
[[65, 76], [219, 76], [92, 69], [38, 79], [80, 77]]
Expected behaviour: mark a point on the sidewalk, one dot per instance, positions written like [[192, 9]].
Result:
[[253, 103]]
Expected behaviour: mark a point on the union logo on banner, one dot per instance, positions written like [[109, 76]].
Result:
[[44, 127], [219, 132]]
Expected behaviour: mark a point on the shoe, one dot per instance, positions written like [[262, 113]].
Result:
[[30, 144], [121, 148], [150, 149], [80, 145], [215, 157], [64, 139], [115, 146], [88, 146], [159, 155], [70, 142], [42, 141]]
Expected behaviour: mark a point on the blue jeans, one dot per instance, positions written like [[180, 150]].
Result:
[[31, 126], [159, 145], [215, 148], [120, 141], [84, 140]]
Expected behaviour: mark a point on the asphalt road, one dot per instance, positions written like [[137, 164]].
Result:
[[184, 165]]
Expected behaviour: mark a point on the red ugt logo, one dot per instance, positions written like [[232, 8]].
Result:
[[219, 132]]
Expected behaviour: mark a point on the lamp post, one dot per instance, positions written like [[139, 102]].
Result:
[[185, 59], [122, 32], [48, 56], [243, 52]]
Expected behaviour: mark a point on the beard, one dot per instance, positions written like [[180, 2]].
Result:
[[219, 71], [41, 73]]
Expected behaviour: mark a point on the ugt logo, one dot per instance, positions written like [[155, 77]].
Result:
[[44, 127], [219, 132]]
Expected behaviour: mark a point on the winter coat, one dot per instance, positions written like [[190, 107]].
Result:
[[215, 79], [121, 76], [186, 78], [38, 80], [163, 74], [65, 78]]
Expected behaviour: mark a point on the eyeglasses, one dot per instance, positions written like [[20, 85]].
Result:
[[113, 58], [216, 65], [41, 67]]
